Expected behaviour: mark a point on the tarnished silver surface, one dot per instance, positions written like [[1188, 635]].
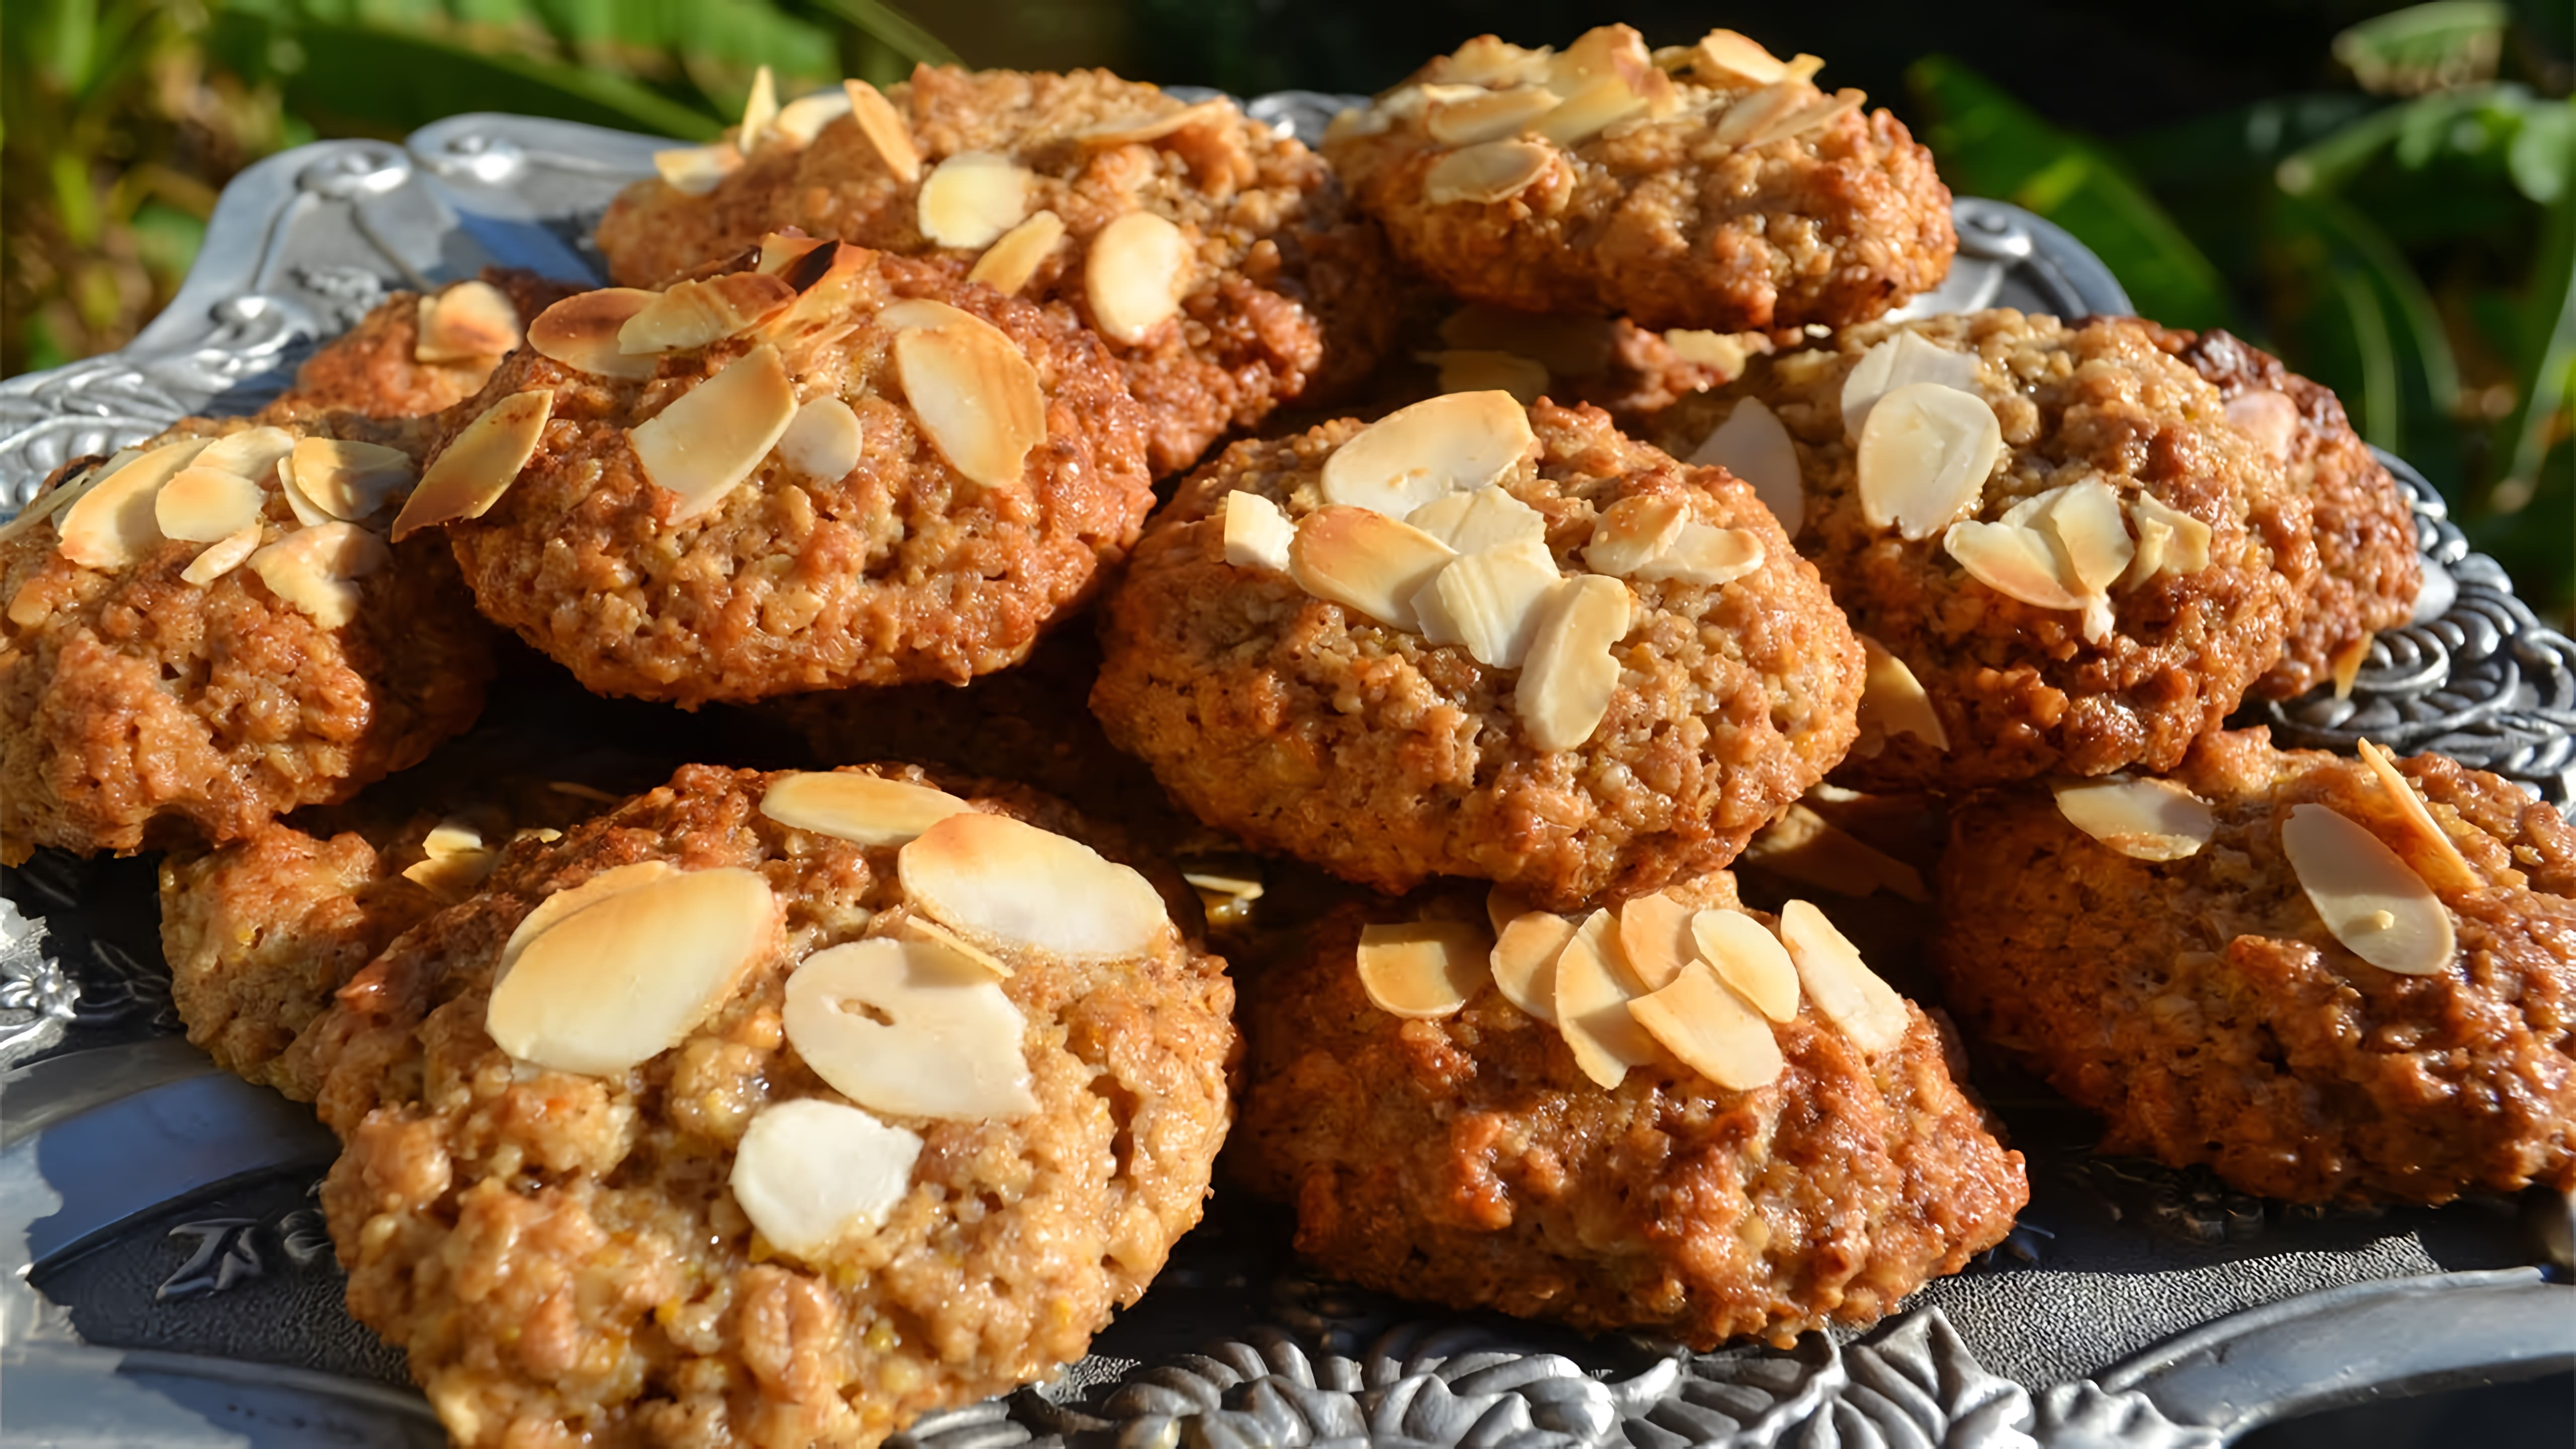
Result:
[[169, 1279]]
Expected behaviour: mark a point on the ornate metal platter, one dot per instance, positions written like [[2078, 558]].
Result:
[[168, 1279]]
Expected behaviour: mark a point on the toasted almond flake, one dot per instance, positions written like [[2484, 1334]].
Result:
[[1761, 109], [1725, 352], [917, 927], [1603, 52], [697, 170], [625, 977], [1900, 361], [316, 569], [1257, 533], [2169, 541], [222, 557], [1924, 458], [1892, 700], [306, 511], [810, 1173], [922, 312], [1503, 905], [2144, 819], [453, 876], [1655, 939], [2367, 895], [822, 441], [1488, 115], [1007, 264], [72, 490], [2439, 859], [201, 505], [465, 323], [2347, 663], [2016, 562], [912, 1029], [1724, 58], [1592, 995], [1813, 116], [804, 118], [1524, 960], [1632, 531], [1745, 955], [884, 129], [1145, 128], [252, 452], [1136, 275], [1364, 560], [711, 437], [1570, 675], [2269, 418], [1485, 518], [1435, 447], [976, 396], [1423, 969], [111, 520], [1845, 990], [2087, 519], [759, 111], [1566, 344], [1487, 59], [1705, 555], [1484, 174], [1010, 886], [581, 332], [565, 903], [1470, 370], [480, 464], [1805, 847], [1754, 446], [1492, 601], [1231, 887], [1590, 111], [1702, 1021], [973, 197], [862, 808], [349, 480], [690, 315]]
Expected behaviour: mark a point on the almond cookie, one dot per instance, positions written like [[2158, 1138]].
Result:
[[1213, 253], [1711, 186], [416, 353], [1476, 639], [2323, 977]]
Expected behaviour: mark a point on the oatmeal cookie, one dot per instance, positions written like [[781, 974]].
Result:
[[2205, 1006], [2000, 654], [187, 652], [1472, 1159], [390, 366], [837, 1176], [844, 468], [1215, 256], [1625, 674], [1705, 187]]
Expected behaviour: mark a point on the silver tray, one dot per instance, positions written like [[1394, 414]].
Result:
[[169, 1280]]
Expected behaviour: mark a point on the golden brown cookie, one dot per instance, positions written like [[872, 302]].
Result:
[[391, 365]]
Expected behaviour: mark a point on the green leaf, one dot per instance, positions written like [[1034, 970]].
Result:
[[2424, 47], [390, 82], [2371, 331], [2543, 152], [2547, 368], [892, 28]]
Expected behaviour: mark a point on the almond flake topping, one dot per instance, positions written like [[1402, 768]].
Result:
[[1136, 275], [1488, 115], [921, 312], [1590, 111], [2014, 561], [564, 903], [1924, 458], [1714, 1032], [1366, 561], [581, 332], [1724, 58], [349, 480], [1655, 939], [1473, 370], [865, 809], [697, 170], [1592, 995], [72, 490], [910, 1029], [1490, 602], [466, 323], [883, 128], [1633, 531], [1487, 59], [823, 440], [1143, 129], [2269, 418], [976, 396], [711, 437], [2376, 905], [1893, 702], [624, 978], [479, 464], [1568, 680], [1524, 961], [1257, 533], [805, 117], [1704, 555], [1485, 518], [1813, 116], [1435, 447], [973, 197], [809, 1173], [1752, 445], [202, 505], [1749, 958], [1762, 110], [1487, 173], [690, 315], [2449, 869], [2170, 541], [1007, 885], [1007, 264], [1845, 990], [1900, 361], [252, 453], [1423, 969], [222, 557], [316, 569], [111, 522], [2144, 819], [306, 511]]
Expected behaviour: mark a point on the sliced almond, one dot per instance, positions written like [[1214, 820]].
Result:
[[1488, 115], [1487, 59], [1845, 990], [690, 315], [911, 1029], [822, 441], [1503, 905], [711, 437], [883, 128], [1592, 996], [1008, 885], [1754, 446], [350, 480], [1492, 601], [1924, 458], [862, 808], [563, 904], [1145, 128], [623, 979], [465, 323], [809, 1173], [973, 197], [2169, 541], [1806, 847], [222, 557], [1257, 533], [1570, 675], [803, 119], [306, 511], [1724, 58], [2449, 869], [1632, 531], [1469, 370], [831, 282], [2143, 819], [1484, 518], [1136, 275], [201, 505], [455, 860], [976, 396], [2372, 901], [1813, 116], [1484, 174], [1227, 899], [1745, 955], [2269, 418], [922, 312], [1705, 555], [1566, 344], [1362, 559], [252, 452], [1007, 264], [1722, 352], [2345, 665], [1590, 111], [2016, 562], [1524, 960], [1900, 361], [1892, 700], [581, 332], [1761, 110], [111, 522], [1604, 52], [1423, 969], [918, 927], [1439, 446], [759, 110], [697, 170], [1655, 939], [316, 569], [1702, 1021], [479, 464], [70, 491], [2088, 521]]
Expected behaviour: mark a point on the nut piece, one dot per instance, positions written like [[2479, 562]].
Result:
[[2439, 861], [1592, 996], [1632, 531], [563, 904], [1435, 447], [1924, 458], [759, 110], [1257, 534], [1490, 602], [917, 927], [202, 505], [250, 453], [1571, 674], [1486, 518], [1749, 958], [864, 809], [1900, 361], [2013, 561], [1423, 968], [1142, 128], [1813, 116], [2170, 541], [1011, 886], [2377, 906], [2346, 665], [1362, 559], [455, 860], [973, 197], [2143, 819], [2087, 521], [1471, 370], [1701, 1020], [1655, 940], [1482, 175], [1892, 701], [111, 522], [1007, 265], [1591, 110], [623, 979], [1487, 115], [711, 437], [2269, 418], [1806, 847], [884, 130], [822, 441], [697, 170], [1524, 960], [690, 315], [804, 118], [466, 323], [976, 396], [581, 332], [1724, 58], [1137, 272], [1752, 445], [306, 511], [1845, 990], [910, 1028], [810, 1173], [1704, 555], [349, 481], [479, 464], [221, 557], [315, 568]]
